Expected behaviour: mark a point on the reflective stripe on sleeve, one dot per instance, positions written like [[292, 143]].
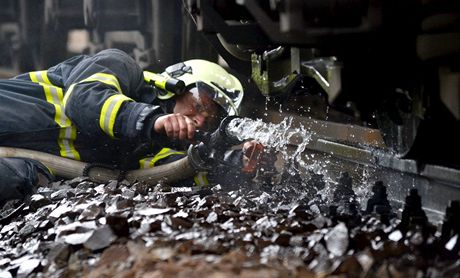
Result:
[[54, 96], [200, 179], [149, 162], [67, 94], [105, 78], [40, 77], [109, 112]]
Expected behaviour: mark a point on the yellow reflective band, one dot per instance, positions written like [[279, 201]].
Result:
[[145, 162], [168, 95], [165, 152], [105, 78], [67, 136], [40, 77], [109, 112], [67, 94], [33, 76], [201, 179], [54, 96], [149, 162]]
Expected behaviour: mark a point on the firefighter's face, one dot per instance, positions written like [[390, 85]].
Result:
[[199, 107]]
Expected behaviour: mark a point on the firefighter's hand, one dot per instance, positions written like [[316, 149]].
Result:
[[255, 156], [175, 126], [251, 154]]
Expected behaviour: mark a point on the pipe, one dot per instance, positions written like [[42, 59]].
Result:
[[68, 168]]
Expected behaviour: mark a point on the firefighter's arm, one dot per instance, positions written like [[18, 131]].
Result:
[[101, 94]]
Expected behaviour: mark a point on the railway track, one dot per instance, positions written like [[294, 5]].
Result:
[[361, 152]]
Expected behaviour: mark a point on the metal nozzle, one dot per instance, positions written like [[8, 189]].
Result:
[[220, 139], [213, 145]]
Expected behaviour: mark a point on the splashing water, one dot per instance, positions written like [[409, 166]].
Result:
[[277, 137], [290, 142]]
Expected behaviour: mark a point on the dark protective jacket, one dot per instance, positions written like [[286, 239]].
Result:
[[89, 108]]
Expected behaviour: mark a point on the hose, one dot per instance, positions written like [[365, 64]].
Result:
[[68, 168]]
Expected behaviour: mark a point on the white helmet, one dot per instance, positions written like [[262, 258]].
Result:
[[224, 88]]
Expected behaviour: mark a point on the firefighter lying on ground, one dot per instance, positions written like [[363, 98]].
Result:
[[104, 109]]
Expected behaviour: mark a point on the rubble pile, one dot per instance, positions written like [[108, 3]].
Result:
[[79, 228]]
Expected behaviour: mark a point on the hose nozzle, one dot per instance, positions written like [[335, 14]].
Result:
[[220, 139]]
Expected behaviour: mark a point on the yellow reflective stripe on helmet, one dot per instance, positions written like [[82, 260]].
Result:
[[200, 179], [105, 78], [109, 112], [54, 96], [149, 162]]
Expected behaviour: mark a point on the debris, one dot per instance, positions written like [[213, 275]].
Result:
[[27, 267], [100, 238], [77, 238], [395, 236], [114, 229], [152, 211], [337, 240], [451, 243], [37, 201], [118, 224], [60, 211], [212, 217]]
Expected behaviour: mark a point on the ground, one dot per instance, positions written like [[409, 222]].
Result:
[[79, 228]]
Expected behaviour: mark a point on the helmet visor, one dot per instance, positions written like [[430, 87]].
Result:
[[204, 103], [218, 96]]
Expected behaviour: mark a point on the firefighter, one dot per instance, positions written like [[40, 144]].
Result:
[[105, 109]]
